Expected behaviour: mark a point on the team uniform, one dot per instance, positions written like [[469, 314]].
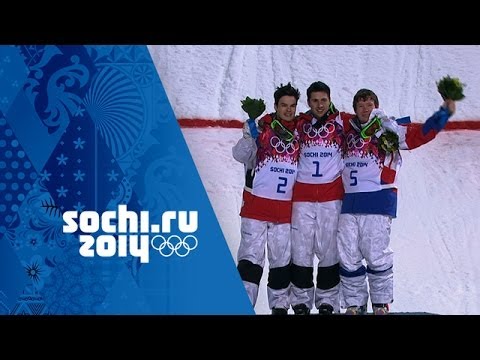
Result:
[[370, 204], [317, 198], [271, 168]]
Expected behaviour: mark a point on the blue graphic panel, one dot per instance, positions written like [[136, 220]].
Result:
[[101, 208], [13, 73], [12, 280]]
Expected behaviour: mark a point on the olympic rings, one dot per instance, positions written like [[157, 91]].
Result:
[[356, 141], [167, 247], [323, 131], [280, 146]]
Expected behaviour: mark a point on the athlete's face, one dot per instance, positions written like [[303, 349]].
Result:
[[319, 103], [363, 109], [286, 108]]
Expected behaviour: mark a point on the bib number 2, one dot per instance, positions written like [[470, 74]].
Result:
[[281, 186]]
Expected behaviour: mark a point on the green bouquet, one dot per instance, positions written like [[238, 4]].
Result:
[[388, 141], [253, 107], [450, 88]]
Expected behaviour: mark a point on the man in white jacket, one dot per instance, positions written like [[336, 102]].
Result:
[[270, 158], [317, 199], [370, 201]]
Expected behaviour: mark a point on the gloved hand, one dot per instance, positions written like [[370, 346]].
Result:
[[377, 113], [253, 107], [388, 132], [450, 106], [250, 129], [388, 123]]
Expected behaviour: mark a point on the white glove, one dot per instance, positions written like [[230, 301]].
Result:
[[378, 113], [391, 125], [388, 123]]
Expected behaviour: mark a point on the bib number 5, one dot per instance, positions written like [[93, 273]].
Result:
[[353, 177]]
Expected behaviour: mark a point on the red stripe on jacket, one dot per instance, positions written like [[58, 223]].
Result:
[[318, 192], [258, 208]]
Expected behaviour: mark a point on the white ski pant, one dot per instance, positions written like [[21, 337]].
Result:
[[314, 232], [255, 234], [365, 236]]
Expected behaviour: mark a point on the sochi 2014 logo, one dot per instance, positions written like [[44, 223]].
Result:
[[124, 233]]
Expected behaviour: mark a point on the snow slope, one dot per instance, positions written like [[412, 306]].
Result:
[[209, 81]]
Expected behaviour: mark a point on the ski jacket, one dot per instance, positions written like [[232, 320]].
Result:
[[320, 163], [370, 174], [269, 183]]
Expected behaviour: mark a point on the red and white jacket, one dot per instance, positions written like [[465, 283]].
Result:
[[320, 164], [274, 173]]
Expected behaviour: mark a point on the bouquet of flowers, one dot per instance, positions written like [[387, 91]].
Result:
[[388, 141], [450, 88], [253, 107]]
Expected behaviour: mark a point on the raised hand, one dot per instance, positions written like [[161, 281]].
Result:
[[450, 105]]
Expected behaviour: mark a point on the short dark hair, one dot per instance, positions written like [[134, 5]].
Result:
[[286, 90], [364, 94], [318, 86]]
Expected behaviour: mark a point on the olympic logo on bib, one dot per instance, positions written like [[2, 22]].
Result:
[[323, 131], [356, 141], [174, 244], [281, 147]]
